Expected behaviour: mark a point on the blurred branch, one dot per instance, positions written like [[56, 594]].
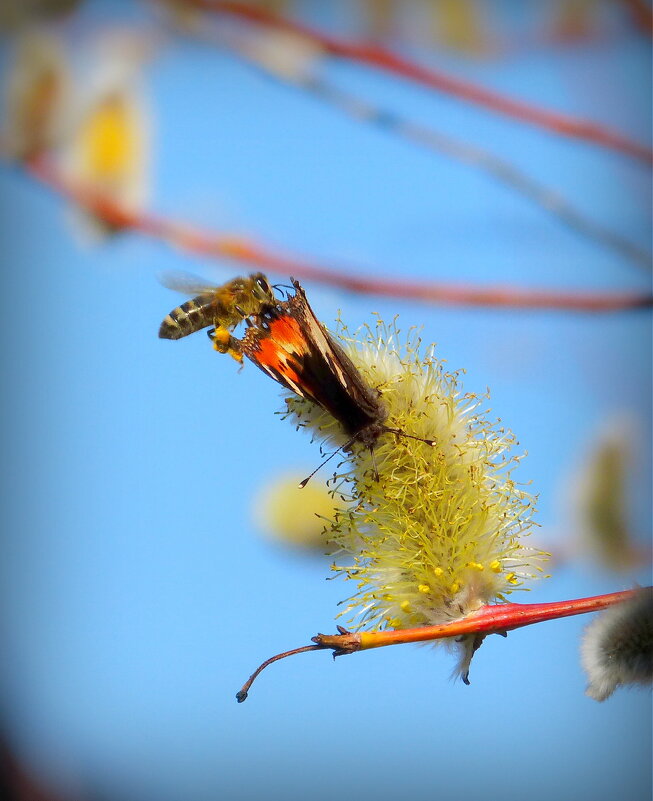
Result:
[[250, 254], [641, 14], [491, 619], [21, 782], [552, 202], [383, 59]]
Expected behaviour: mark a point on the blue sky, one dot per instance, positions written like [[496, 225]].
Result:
[[138, 594]]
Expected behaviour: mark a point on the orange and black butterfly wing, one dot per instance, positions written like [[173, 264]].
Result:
[[293, 347], [277, 345]]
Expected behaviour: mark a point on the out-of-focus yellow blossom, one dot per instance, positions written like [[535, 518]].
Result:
[[181, 14], [16, 13], [576, 19], [457, 24], [441, 533], [110, 144], [108, 152], [37, 95], [274, 6], [600, 497], [379, 16], [297, 516]]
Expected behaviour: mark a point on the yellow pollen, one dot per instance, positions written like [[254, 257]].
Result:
[[495, 566], [424, 588], [438, 571], [405, 606], [454, 587], [475, 565]]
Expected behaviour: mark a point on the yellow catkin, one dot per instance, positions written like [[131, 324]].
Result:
[[108, 140], [37, 95], [421, 537]]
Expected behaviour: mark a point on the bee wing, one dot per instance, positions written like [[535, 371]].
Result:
[[186, 283]]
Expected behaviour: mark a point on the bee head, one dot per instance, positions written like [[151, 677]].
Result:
[[261, 289]]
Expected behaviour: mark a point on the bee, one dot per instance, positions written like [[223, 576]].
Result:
[[222, 307]]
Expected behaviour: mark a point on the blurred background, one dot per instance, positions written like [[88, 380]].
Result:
[[149, 561]]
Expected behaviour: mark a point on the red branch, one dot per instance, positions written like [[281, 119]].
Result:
[[244, 252], [641, 14], [494, 618], [383, 59]]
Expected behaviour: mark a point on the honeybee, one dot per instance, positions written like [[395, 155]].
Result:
[[222, 307]]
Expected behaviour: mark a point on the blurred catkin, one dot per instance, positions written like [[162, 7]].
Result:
[[617, 648]]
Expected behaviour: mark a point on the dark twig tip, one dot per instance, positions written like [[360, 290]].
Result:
[[241, 695]]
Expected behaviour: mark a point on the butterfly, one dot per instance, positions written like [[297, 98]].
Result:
[[288, 342]]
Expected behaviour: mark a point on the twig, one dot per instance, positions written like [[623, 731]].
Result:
[[491, 619], [241, 695], [383, 59], [641, 14], [244, 252], [550, 201]]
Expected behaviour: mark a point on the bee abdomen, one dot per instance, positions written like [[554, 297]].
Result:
[[191, 316]]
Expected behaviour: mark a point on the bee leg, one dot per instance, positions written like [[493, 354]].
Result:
[[221, 339], [223, 342]]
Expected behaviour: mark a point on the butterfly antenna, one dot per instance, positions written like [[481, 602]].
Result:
[[400, 433], [303, 483]]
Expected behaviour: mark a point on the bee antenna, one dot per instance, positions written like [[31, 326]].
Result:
[[400, 433], [303, 483]]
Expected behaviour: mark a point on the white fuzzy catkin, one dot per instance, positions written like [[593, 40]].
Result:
[[617, 647]]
